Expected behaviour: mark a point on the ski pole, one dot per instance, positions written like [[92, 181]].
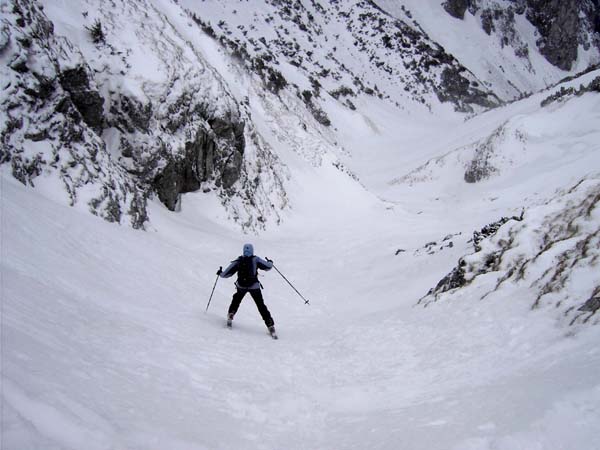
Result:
[[213, 291], [288, 281]]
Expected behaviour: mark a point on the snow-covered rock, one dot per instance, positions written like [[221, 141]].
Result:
[[51, 114], [564, 29], [177, 97], [125, 117], [514, 47], [548, 258], [340, 49]]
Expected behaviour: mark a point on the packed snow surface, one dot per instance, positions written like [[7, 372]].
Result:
[[106, 342]]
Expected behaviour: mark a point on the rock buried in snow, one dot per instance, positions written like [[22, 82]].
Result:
[[592, 305]]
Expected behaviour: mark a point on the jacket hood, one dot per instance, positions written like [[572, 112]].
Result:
[[248, 250]]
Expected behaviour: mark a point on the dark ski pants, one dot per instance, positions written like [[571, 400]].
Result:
[[258, 299]]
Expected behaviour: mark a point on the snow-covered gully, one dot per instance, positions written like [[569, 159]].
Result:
[[105, 343], [349, 142]]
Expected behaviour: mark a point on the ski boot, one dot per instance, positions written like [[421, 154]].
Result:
[[229, 320]]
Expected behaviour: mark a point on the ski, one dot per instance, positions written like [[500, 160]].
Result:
[[273, 334]]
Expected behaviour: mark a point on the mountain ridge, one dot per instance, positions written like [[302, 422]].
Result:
[[170, 118]]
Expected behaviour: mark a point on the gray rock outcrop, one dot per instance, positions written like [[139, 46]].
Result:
[[562, 25], [559, 25], [87, 100], [199, 162], [456, 8]]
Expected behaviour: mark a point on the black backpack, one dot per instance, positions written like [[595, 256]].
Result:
[[247, 271]]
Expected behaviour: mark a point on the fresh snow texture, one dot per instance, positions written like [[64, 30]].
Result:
[[105, 342]]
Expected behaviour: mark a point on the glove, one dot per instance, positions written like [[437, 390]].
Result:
[[220, 271], [269, 260]]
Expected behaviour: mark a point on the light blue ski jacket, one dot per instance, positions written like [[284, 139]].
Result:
[[257, 263]]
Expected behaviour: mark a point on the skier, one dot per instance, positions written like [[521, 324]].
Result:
[[246, 267]]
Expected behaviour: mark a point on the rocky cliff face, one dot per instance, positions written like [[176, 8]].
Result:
[[69, 111], [562, 26], [52, 113]]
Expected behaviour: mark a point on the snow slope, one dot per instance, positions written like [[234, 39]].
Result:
[[105, 343]]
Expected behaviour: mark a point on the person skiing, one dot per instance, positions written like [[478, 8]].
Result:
[[246, 267]]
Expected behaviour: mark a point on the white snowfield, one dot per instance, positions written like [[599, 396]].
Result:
[[106, 345], [105, 342]]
